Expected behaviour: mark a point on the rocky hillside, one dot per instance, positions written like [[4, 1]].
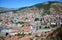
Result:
[[50, 7]]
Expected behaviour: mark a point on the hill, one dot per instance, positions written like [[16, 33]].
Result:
[[2, 9], [50, 7]]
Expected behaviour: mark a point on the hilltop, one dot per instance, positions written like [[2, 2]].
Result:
[[43, 8], [50, 7]]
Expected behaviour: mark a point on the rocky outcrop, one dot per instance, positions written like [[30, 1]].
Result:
[[56, 35]]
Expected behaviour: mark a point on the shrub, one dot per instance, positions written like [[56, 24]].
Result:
[[21, 35], [39, 27], [53, 26], [21, 22], [29, 34], [36, 19]]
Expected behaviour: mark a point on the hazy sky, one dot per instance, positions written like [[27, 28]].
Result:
[[20, 3]]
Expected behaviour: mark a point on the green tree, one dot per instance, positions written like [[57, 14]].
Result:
[[21, 35], [36, 19]]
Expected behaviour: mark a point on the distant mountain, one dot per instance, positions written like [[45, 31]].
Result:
[[50, 7], [2, 9]]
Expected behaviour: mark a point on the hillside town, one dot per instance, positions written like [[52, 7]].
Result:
[[27, 20], [28, 25]]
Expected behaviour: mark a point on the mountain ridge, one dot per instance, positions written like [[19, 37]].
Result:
[[47, 8]]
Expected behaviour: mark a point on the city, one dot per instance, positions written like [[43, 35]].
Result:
[[30, 24]]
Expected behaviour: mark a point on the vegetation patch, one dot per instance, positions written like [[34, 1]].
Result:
[[20, 35]]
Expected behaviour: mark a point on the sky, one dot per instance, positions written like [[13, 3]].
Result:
[[20, 3]]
